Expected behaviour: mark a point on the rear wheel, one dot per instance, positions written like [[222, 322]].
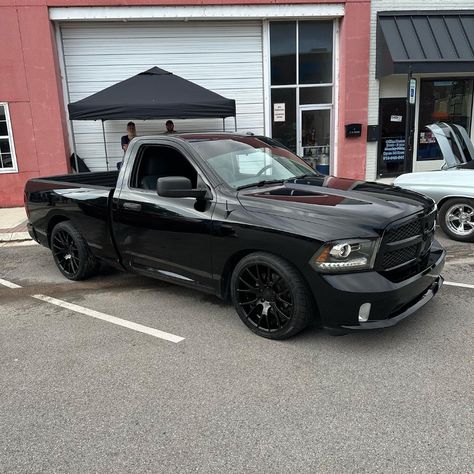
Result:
[[270, 296], [71, 252], [456, 218]]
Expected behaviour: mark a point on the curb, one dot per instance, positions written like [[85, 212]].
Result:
[[14, 236]]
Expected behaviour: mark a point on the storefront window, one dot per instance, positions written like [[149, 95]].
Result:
[[442, 101], [315, 52], [315, 95], [284, 116], [7, 152], [283, 52], [302, 96]]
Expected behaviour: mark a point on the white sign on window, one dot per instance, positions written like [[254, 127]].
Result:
[[395, 118], [279, 112]]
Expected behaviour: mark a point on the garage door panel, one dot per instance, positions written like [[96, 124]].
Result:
[[91, 131], [164, 29], [253, 97], [199, 73], [223, 56], [241, 86], [169, 58], [155, 45]]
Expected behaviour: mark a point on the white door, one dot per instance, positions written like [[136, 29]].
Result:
[[223, 56]]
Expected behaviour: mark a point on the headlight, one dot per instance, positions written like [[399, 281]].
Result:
[[345, 256]]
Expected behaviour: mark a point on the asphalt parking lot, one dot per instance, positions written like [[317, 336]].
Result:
[[80, 393]]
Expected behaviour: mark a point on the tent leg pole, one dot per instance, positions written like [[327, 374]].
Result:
[[223, 124], [74, 146], [105, 147], [235, 123]]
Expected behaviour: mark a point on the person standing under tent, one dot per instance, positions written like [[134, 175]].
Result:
[[126, 139], [170, 127]]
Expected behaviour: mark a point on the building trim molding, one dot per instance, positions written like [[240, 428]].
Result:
[[200, 12]]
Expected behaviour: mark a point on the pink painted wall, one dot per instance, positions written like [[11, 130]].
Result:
[[353, 87], [30, 82]]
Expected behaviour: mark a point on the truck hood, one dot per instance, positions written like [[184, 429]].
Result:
[[339, 207], [450, 137]]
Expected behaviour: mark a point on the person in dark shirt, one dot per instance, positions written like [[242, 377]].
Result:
[[170, 127], [131, 134], [126, 139]]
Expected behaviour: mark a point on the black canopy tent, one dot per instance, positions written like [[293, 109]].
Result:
[[153, 94]]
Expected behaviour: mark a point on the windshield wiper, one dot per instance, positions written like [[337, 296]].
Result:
[[307, 175], [264, 182]]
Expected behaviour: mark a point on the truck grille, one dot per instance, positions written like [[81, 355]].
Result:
[[404, 232], [398, 257], [406, 242]]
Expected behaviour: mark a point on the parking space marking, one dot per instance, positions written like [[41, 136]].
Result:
[[110, 319], [462, 285], [8, 284]]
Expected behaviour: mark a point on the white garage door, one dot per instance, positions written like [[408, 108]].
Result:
[[225, 57]]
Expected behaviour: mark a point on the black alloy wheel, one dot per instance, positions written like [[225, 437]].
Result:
[[71, 252], [270, 296], [65, 252]]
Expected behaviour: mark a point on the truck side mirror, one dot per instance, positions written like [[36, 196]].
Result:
[[178, 186]]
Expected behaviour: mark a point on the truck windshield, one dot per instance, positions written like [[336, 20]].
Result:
[[243, 161]]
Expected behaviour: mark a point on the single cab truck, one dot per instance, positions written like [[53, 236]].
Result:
[[244, 218]]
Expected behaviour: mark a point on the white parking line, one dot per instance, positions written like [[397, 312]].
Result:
[[110, 319], [462, 285], [9, 284]]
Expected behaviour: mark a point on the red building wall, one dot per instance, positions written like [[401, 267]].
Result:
[[31, 84]]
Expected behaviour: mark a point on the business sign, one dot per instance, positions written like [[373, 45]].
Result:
[[394, 149], [279, 112], [412, 91]]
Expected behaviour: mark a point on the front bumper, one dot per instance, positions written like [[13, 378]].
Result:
[[340, 297]]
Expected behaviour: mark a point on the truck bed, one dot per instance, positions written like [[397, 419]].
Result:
[[107, 179], [84, 199]]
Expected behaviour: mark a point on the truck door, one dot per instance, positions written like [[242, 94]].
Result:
[[163, 237]]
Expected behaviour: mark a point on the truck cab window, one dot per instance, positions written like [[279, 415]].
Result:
[[155, 162]]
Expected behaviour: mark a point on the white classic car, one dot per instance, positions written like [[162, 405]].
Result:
[[452, 187]]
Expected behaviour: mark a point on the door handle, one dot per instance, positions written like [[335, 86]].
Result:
[[132, 206]]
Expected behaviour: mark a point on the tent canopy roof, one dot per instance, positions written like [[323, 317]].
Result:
[[153, 94]]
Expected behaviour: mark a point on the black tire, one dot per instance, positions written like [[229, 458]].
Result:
[[71, 253], [270, 296], [456, 218]]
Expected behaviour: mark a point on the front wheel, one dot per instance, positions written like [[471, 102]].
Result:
[[270, 296], [71, 252], [456, 218]]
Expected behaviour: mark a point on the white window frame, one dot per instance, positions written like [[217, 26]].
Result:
[[333, 106], [11, 142]]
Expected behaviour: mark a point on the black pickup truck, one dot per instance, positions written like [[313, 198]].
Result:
[[243, 218]]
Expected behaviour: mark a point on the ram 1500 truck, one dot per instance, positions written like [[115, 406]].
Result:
[[243, 218]]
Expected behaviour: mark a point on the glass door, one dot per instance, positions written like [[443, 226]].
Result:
[[391, 159], [314, 137]]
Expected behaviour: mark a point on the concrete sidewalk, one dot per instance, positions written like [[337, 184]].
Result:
[[13, 225]]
